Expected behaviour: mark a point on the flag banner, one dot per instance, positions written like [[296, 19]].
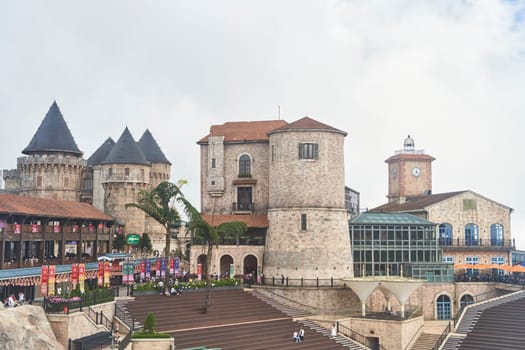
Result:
[[100, 274], [142, 270], [51, 281], [107, 273], [199, 271], [162, 268], [172, 266], [148, 269], [74, 275], [177, 265], [82, 277], [43, 280]]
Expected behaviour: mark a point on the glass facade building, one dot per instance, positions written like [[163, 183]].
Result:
[[397, 244]]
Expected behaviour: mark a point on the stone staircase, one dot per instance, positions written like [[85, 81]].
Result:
[[425, 341], [299, 315], [123, 314]]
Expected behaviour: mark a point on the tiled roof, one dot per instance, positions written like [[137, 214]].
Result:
[[53, 135], [23, 205], [101, 153], [250, 220], [417, 204], [151, 149], [371, 218], [307, 124], [243, 131], [126, 151]]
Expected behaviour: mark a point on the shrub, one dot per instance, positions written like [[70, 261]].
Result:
[[149, 324], [140, 335]]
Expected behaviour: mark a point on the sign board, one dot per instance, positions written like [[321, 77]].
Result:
[[133, 239]]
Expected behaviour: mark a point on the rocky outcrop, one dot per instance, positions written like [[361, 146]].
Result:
[[26, 327]]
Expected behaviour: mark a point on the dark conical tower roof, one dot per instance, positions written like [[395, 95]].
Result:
[[151, 149], [53, 135], [101, 153], [126, 151]]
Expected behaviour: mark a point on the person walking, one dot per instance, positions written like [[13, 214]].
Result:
[[301, 334]]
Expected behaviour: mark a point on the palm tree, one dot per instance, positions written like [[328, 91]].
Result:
[[159, 204], [209, 234]]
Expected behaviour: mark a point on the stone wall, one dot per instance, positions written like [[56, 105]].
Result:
[[238, 253], [72, 326], [60, 176], [227, 171], [393, 335], [153, 344]]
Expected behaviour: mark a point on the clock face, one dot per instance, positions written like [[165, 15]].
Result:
[[416, 171]]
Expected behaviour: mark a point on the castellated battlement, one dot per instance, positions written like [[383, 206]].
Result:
[[50, 160]]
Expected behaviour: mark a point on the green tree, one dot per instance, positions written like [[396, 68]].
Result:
[[159, 204], [145, 243], [209, 234], [119, 242]]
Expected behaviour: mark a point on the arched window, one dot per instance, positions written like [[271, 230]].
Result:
[[244, 166], [471, 234], [443, 309], [496, 234], [466, 300], [445, 234]]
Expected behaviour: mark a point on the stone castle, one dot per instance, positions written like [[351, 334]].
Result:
[[54, 167]]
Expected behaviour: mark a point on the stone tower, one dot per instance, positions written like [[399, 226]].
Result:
[[409, 173], [53, 166], [308, 223], [123, 174], [160, 171]]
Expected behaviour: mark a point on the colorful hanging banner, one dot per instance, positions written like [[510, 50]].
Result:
[[81, 277], [142, 270], [172, 266], [177, 265], [74, 275], [131, 273], [51, 281], [107, 273], [199, 271], [44, 277], [100, 274], [124, 273], [162, 268], [148, 269], [157, 268]]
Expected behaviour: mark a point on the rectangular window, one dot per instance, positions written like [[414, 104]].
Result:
[[469, 204], [66, 182], [499, 260], [448, 259], [110, 172], [472, 260], [273, 152], [308, 150], [126, 171], [213, 163], [304, 224], [39, 181]]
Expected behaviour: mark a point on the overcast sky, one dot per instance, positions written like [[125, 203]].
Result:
[[449, 73]]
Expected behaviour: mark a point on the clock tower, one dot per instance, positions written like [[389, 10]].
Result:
[[409, 173]]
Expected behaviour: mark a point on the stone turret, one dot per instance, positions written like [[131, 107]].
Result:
[[123, 174], [53, 167], [308, 224]]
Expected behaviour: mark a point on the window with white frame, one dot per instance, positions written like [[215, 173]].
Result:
[[472, 260], [448, 259], [498, 260]]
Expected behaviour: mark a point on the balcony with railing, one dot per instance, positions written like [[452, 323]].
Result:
[[243, 207], [493, 244]]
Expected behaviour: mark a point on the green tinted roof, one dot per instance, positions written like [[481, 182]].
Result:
[[370, 218]]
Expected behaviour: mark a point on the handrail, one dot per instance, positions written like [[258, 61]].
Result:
[[442, 337], [356, 336]]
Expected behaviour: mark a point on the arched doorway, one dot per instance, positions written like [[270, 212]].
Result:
[[250, 264], [226, 261], [202, 260], [443, 308], [466, 300]]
